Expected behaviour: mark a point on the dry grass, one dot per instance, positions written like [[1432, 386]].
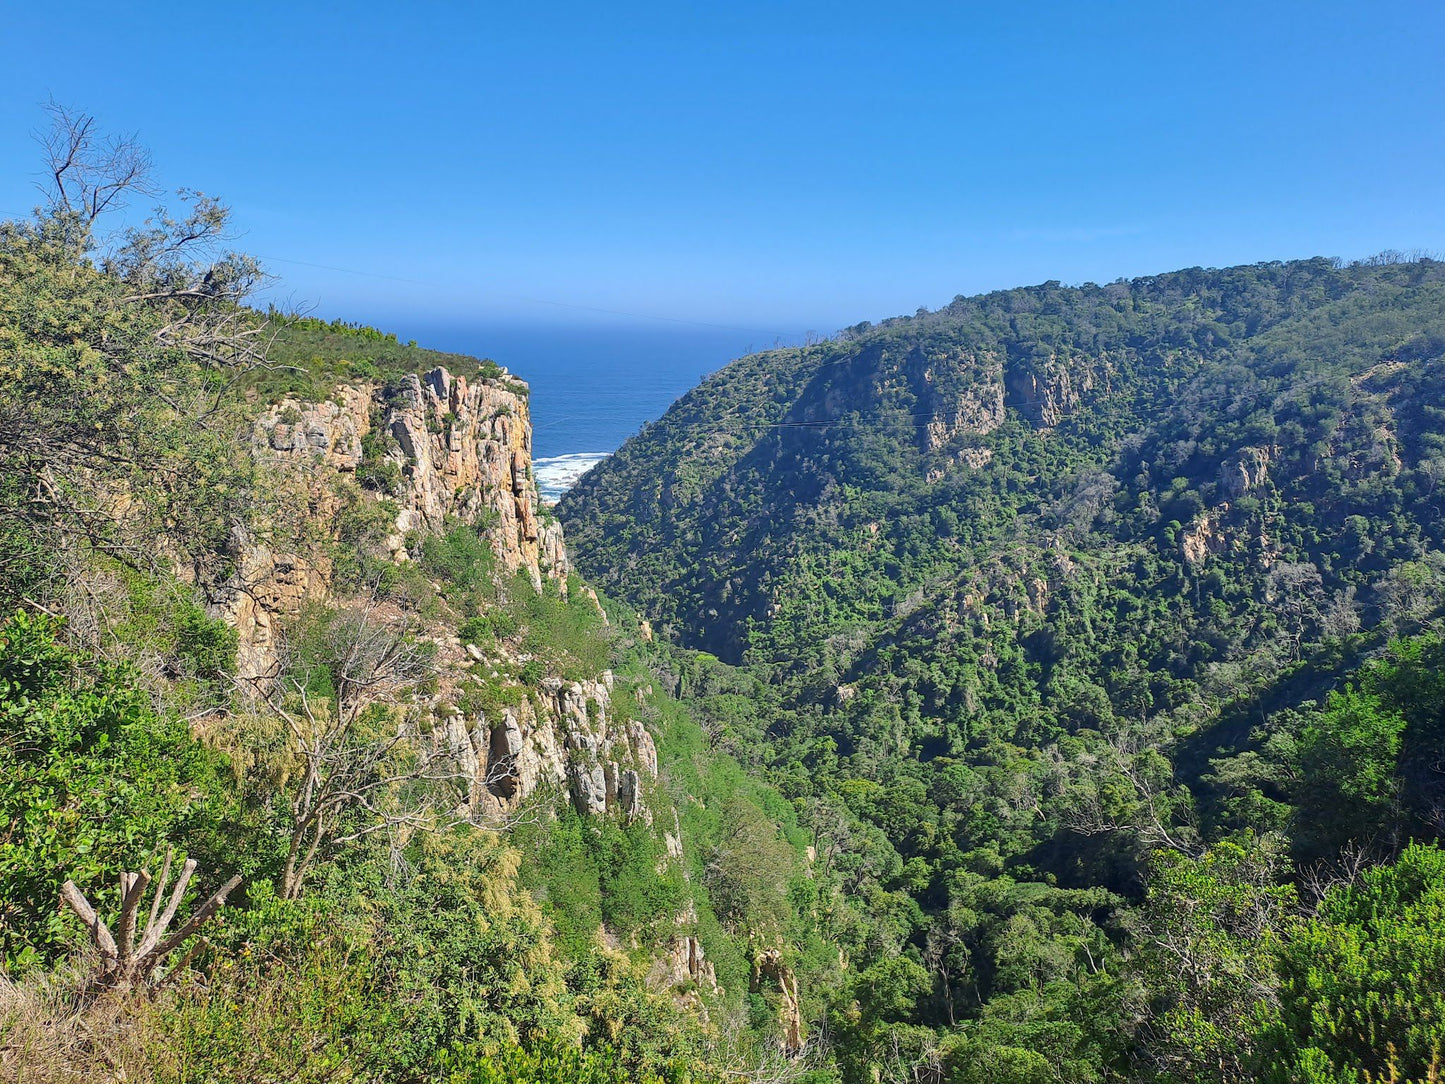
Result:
[[292, 1025], [50, 1032]]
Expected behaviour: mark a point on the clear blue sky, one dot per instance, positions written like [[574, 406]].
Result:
[[770, 165]]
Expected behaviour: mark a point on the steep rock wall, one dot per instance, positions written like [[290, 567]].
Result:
[[440, 448], [566, 737], [458, 449]]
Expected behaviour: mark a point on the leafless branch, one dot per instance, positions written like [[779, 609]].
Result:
[[354, 781]]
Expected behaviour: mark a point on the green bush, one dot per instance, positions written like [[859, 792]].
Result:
[[476, 630], [1361, 995], [92, 782], [513, 1065]]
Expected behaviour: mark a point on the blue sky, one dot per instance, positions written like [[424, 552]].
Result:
[[772, 166]]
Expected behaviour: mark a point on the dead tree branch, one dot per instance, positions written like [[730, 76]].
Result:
[[126, 963]]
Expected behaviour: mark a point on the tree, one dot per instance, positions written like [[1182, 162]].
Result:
[[346, 755], [1348, 787], [116, 356], [946, 954], [1296, 587], [1211, 923], [1360, 990], [748, 868], [90, 173]]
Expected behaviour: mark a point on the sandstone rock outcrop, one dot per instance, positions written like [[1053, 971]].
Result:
[[1202, 537], [978, 409], [1046, 390], [686, 963], [440, 448], [458, 449], [266, 590], [563, 738], [1245, 470], [769, 968]]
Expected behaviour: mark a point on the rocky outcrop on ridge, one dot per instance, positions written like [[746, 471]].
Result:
[[445, 447], [566, 737]]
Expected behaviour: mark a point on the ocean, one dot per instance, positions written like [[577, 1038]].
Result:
[[594, 386]]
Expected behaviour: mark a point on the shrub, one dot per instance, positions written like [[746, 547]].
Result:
[[92, 781]]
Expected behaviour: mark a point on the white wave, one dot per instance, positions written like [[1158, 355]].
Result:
[[556, 474]]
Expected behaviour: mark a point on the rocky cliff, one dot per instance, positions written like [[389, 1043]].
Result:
[[445, 448], [426, 451], [436, 447], [566, 736]]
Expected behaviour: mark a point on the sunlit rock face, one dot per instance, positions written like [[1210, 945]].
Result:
[[439, 449]]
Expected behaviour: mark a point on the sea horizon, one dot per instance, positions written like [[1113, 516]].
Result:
[[593, 385]]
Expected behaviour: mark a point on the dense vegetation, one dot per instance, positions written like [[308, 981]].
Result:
[[307, 357], [1054, 611], [378, 933], [1045, 689]]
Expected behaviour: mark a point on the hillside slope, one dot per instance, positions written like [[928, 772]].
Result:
[[278, 597], [803, 494], [1050, 593]]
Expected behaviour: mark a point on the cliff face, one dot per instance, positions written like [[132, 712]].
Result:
[[564, 737], [455, 449], [429, 450], [438, 447]]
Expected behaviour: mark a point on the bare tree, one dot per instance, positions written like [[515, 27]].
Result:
[[1296, 588], [353, 767], [181, 263], [748, 1059], [87, 172], [131, 957], [945, 954], [1153, 807], [914, 1058], [1354, 858]]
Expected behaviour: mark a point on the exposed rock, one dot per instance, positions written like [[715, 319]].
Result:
[[644, 750], [629, 793], [685, 963], [1201, 538], [564, 737], [768, 967], [976, 458], [462, 449], [1038, 591], [1046, 390], [589, 788], [266, 590], [1243, 471], [458, 450], [978, 409]]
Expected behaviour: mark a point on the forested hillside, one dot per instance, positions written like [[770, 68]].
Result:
[[1090, 628]]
